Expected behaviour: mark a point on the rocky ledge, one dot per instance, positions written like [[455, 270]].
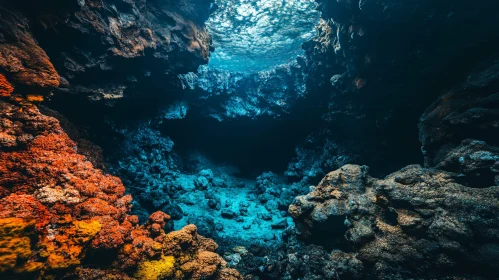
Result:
[[415, 223]]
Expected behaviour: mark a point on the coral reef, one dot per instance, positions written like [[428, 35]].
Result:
[[56, 208]]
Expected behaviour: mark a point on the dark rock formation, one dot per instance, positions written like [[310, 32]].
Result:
[[382, 63], [470, 110], [320, 153], [223, 94], [89, 42], [416, 223], [476, 162], [295, 260], [144, 162], [21, 59]]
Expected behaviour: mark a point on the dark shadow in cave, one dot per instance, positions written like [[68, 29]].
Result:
[[252, 146]]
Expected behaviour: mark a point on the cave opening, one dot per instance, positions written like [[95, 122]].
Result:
[[217, 153], [242, 117], [256, 64]]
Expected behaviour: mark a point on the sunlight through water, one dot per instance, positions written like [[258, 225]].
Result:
[[256, 35]]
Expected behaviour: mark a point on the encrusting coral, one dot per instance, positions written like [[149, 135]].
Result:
[[6, 88], [56, 208]]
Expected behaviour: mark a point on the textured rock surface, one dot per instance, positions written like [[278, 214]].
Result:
[[146, 165], [415, 223], [224, 94], [89, 40], [470, 110], [319, 154], [476, 162], [21, 58], [225, 207]]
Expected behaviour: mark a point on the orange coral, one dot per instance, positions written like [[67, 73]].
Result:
[[65, 246], [34, 98], [6, 88]]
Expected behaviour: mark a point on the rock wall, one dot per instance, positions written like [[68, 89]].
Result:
[[469, 110], [382, 63]]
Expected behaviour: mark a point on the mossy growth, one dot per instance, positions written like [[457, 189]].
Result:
[[156, 269]]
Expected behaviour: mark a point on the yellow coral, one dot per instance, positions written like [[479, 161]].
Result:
[[19, 246], [7, 262], [14, 226], [13, 245], [85, 230], [153, 270]]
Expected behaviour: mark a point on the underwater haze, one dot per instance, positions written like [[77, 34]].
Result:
[[249, 139]]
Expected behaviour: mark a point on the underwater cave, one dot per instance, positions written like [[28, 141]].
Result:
[[249, 139]]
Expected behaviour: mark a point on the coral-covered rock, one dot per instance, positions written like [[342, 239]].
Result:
[[97, 274], [15, 243], [56, 208], [180, 254], [414, 223]]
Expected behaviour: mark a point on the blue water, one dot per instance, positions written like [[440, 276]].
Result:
[[256, 35]]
